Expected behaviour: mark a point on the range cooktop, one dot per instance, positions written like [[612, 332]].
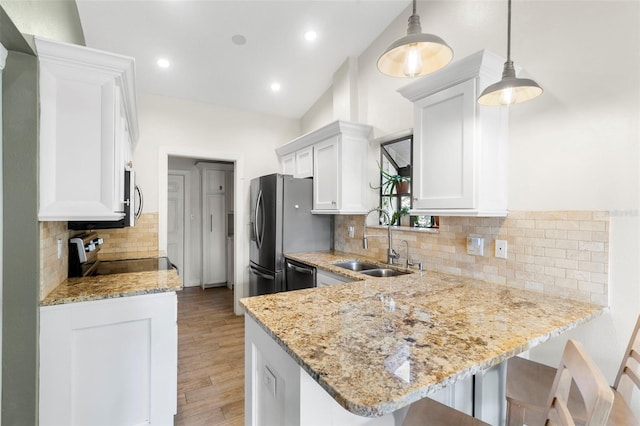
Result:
[[133, 265]]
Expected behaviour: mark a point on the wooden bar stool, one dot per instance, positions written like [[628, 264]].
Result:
[[576, 367], [428, 412], [528, 384]]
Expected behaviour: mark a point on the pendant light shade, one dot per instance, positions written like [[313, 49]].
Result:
[[415, 54], [510, 89]]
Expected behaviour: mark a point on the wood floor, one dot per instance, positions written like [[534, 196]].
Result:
[[210, 359]]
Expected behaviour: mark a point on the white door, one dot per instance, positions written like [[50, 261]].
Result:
[[214, 259], [175, 222]]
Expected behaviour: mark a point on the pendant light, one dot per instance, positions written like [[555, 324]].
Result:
[[510, 89], [415, 54]]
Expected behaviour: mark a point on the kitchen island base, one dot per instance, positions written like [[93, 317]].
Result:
[[278, 391]]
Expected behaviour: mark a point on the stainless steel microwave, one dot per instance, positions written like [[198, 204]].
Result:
[[133, 203]]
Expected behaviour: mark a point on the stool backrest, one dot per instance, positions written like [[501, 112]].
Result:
[[628, 378], [597, 395]]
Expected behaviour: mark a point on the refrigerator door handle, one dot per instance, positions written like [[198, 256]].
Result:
[[260, 274], [259, 228], [299, 269]]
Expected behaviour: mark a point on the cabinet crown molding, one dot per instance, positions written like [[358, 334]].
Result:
[[333, 129], [120, 66], [484, 64]]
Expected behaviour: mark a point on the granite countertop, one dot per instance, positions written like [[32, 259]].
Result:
[[326, 260], [85, 289], [380, 344]]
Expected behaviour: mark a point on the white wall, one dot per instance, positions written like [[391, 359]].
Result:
[[319, 114], [177, 127], [574, 148]]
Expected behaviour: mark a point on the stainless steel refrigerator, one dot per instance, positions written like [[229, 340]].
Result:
[[281, 222]]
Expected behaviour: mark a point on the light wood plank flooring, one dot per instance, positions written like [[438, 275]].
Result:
[[210, 358]]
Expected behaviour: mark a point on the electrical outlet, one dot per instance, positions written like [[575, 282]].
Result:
[[351, 232], [475, 245], [270, 381], [59, 248], [501, 249]]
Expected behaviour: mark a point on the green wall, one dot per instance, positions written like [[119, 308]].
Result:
[[20, 240], [56, 20]]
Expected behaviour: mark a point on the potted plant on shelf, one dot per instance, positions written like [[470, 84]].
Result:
[[396, 219], [391, 182]]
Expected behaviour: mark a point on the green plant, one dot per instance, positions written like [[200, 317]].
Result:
[[389, 181], [398, 214]]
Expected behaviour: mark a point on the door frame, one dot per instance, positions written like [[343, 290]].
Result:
[[241, 289], [186, 211]]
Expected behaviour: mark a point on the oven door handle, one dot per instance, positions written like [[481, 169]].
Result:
[[299, 269]]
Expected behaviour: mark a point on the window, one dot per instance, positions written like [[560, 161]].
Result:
[[396, 173]]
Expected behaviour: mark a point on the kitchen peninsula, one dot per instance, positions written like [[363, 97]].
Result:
[[377, 345]]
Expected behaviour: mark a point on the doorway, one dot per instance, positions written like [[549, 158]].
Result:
[[240, 246], [200, 220]]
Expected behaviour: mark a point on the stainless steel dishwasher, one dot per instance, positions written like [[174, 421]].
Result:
[[299, 275]]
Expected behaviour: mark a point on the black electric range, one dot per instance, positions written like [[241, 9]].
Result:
[[133, 265]]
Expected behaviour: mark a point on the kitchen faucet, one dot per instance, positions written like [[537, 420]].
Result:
[[391, 253]]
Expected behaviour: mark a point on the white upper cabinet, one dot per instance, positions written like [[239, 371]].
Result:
[[336, 157], [88, 127], [304, 163], [288, 163], [460, 147], [299, 163]]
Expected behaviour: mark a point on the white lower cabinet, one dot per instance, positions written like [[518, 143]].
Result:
[[109, 362], [325, 278]]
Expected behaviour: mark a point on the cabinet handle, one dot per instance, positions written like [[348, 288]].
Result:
[[415, 198], [334, 203], [211, 216]]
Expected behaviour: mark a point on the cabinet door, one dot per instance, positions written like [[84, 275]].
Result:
[[288, 163], [214, 261], [77, 144], [213, 181], [326, 278], [304, 163], [325, 171], [444, 169], [109, 362]]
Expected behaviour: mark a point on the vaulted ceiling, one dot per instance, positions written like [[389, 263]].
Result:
[[206, 65]]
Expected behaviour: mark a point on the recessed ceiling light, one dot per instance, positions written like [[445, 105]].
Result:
[[239, 39], [310, 35], [163, 63], [275, 86]]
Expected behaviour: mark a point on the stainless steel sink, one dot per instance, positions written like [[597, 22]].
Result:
[[356, 265], [383, 272]]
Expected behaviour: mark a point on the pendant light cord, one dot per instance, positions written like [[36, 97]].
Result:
[[508, 32], [414, 7]]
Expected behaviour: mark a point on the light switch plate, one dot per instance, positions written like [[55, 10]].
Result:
[[475, 245]]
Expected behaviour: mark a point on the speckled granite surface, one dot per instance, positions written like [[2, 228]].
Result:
[[111, 286], [326, 260], [380, 344]]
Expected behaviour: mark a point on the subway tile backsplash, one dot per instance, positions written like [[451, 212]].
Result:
[[139, 241], [564, 253]]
